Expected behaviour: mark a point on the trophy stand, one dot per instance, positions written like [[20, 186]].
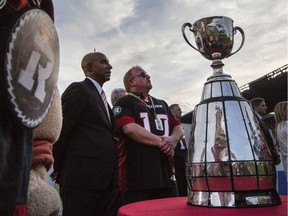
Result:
[[228, 162]]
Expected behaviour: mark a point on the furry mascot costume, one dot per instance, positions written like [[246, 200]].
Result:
[[29, 67], [43, 199]]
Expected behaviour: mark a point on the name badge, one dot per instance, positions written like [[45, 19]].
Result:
[[159, 125]]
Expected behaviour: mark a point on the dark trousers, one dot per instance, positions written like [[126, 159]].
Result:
[[78, 201], [179, 164], [181, 181], [141, 195]]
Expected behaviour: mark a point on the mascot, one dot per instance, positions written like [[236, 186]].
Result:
[[43, 199], [29, 66]]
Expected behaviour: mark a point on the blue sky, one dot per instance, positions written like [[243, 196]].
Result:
[[148, 33]]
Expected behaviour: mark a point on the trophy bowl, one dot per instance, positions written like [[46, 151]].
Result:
[[214, 35]]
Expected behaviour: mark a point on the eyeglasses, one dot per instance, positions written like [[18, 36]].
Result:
[[142, 74]]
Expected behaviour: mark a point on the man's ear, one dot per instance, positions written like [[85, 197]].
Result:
[[173, 113], [131, 83], [89, 67]]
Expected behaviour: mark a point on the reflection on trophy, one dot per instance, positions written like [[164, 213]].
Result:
[[228, 163]]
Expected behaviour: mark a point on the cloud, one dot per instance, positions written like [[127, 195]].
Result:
[[148, 33]]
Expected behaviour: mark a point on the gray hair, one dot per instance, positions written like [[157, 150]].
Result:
[[116, 94]]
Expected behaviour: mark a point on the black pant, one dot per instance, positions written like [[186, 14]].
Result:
[[141, 195], [78, 201], [181, 181]]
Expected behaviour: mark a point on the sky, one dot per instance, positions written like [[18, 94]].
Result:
[[148, 33]]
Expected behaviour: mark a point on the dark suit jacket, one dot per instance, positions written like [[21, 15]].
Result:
[[86, 152], [270, 144]]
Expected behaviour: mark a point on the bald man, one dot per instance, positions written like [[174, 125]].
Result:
[[86, 152]]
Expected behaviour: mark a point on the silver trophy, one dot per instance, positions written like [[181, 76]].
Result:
[[228, 162], [214, 35]]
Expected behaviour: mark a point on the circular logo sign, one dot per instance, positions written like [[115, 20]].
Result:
[[117, 110], [32, 66]]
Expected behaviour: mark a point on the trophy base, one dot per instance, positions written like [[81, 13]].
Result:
[[236, 199]]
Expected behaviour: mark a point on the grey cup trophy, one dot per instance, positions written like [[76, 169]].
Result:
[[214, 35], [228, 162]]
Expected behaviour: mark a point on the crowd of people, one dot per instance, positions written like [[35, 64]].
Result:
[[135, 150], [105, 156], [105, 159]]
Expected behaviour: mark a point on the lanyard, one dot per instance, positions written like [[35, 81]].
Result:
[[153, 106]]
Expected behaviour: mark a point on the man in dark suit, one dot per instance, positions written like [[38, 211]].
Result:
[[86, 153], [259, 107], [180, 155]]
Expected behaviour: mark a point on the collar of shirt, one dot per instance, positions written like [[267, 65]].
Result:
[[259, 116], [96, 84], [140, 95]]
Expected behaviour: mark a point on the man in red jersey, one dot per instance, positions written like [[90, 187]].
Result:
[[148, 134]]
